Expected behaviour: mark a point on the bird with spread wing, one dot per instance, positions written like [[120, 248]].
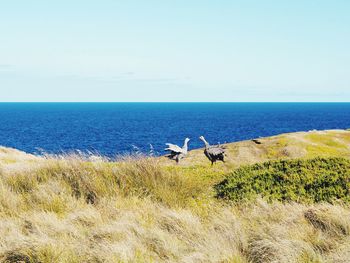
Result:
[[176, 152]]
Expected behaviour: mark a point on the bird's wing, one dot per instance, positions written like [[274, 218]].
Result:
[[174, 148], [216, 151], [222, 146]]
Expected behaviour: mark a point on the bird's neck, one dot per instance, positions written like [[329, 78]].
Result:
[[206, 143], [185, 147]]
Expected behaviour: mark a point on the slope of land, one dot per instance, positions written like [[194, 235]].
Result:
[[77, 209], [329, 143]]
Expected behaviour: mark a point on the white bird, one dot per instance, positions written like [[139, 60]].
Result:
[[176, 152]]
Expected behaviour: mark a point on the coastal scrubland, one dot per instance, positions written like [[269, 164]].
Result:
[[284, 199]]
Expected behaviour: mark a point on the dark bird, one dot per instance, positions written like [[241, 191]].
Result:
[[176, 152], [256, 141], [213, 152]]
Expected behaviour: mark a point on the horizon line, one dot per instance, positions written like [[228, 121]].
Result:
[[2, 102]]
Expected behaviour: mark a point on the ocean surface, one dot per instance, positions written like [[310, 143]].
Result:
[[111, 129]]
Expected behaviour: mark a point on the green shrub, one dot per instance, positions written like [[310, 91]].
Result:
[[305, 181]]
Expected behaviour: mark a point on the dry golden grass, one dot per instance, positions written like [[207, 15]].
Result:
[[71, 209]]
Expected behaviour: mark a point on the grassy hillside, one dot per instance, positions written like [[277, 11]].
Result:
[[331, 143], [74, 209]]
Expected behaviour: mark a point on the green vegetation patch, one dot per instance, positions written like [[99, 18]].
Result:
[[326, 139], [305, 181]]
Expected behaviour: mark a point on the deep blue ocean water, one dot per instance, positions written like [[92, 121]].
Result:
[[113, 128]]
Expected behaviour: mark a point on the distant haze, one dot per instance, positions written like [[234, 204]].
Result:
[[175, 50]]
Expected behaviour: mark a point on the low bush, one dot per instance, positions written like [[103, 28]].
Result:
[[305, 181]]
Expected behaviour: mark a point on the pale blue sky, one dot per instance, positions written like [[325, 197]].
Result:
[[183, 50]]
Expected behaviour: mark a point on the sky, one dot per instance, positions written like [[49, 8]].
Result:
[[174, 51]]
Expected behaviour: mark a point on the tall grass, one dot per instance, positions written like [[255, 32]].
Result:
[[136, 210], [140, 177]]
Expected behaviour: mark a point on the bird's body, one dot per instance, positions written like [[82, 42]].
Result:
[[213, 152], [176, 152]]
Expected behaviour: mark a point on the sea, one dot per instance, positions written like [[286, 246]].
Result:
[[113, 129]]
